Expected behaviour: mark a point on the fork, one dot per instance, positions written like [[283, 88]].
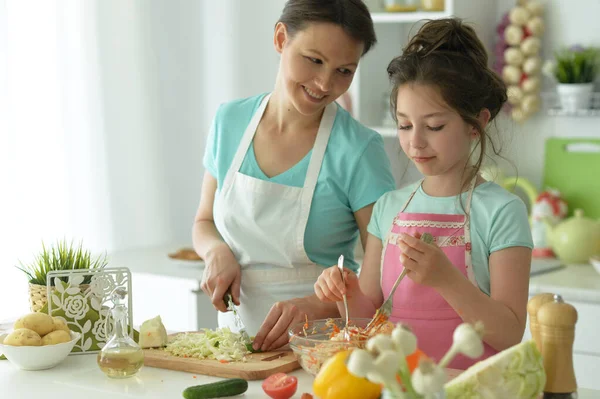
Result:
[[385, 310], [341, 269]]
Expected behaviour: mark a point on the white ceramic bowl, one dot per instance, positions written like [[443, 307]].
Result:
[[595, 261], [38, 357]]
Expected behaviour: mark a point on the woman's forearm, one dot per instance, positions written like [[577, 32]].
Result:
[[502, 327], [206, 237]]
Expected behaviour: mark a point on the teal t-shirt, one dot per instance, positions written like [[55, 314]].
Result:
[[498, 220], [355, 173]]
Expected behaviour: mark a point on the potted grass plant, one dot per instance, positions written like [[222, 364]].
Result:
[[62, 255], [574, 69]]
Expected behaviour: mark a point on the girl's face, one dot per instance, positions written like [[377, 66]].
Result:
[[432, 134], [317, 64]]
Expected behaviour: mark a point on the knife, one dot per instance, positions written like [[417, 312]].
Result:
[[238, 322]]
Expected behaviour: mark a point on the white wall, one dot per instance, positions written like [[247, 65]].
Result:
[[165, 69]]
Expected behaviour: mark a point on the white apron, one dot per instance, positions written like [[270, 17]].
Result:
[[263, 223]]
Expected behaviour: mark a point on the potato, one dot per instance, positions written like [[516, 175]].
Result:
[[56, 337], [41, 323], [23, 337], [60, 324]]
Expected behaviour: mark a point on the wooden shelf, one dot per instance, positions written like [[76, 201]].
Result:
[[396, 17], [551, 102]]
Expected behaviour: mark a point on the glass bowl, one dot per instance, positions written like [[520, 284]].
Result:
[[312, 344]]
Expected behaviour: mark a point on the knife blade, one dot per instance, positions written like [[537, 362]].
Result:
[[238, 322]]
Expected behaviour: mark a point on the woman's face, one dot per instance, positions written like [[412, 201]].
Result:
[[317, 64], [431, 133]]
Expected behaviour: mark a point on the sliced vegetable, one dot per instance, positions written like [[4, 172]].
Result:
[[221, 344], [220, 389], [413, 359], [517, 372], [334, 381], [280, 386]]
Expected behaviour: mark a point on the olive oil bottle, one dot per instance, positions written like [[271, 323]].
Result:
[[121, 357]]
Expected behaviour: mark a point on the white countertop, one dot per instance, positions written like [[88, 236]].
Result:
[[79, 376], [580, 283], [573, 282]]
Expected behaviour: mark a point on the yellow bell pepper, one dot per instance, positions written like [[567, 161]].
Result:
[[334, 381]]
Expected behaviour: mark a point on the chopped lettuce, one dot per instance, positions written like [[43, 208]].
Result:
[[219, 344]]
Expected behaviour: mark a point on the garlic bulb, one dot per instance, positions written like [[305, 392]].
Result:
[[534, 7], [515, 94], [517, 114], [428, 378], [360, 362], [519, 16], [404, 339], [466, 340], [531, 45], [531, 85], [535, 26], [513, 56], [513, 35], [511, 74], [380, 343], [532, 65]]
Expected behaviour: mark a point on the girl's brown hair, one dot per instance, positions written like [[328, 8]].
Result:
[[448, 55], [352, 16]]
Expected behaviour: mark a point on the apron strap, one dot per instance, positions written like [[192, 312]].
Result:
[[236, 163], [316, 161], [468, 246], [410, 197]]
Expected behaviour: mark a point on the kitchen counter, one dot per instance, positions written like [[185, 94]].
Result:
[[580, 283], [79, 376]]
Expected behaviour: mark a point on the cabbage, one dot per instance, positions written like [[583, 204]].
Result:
[[153, 334], [221, 344], [517, 372]]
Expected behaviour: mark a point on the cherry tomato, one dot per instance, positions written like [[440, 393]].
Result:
[[280, 386]]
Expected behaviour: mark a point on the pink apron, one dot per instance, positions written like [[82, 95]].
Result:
[[431, 318]]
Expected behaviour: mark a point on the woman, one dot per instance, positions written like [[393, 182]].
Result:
[[291, 178]]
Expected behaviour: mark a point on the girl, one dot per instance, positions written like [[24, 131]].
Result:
[[288, 183], [477, 268]]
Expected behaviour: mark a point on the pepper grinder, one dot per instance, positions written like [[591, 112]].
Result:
[[533, 306], [557, 332]]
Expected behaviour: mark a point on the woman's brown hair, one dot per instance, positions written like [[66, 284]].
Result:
[[447, 54], [352, 16]]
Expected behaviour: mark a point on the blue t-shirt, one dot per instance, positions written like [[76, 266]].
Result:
[[355, 173], [498, 220]]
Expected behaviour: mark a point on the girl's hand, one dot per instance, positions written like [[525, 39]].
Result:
[[426, 263], [330, 287], [222, 272]]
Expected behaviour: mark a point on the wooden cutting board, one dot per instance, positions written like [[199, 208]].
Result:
[[258, 366]]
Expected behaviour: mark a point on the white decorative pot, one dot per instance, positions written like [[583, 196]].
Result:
[[575, 96]]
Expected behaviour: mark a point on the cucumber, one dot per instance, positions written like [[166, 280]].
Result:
[[220, 389]]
